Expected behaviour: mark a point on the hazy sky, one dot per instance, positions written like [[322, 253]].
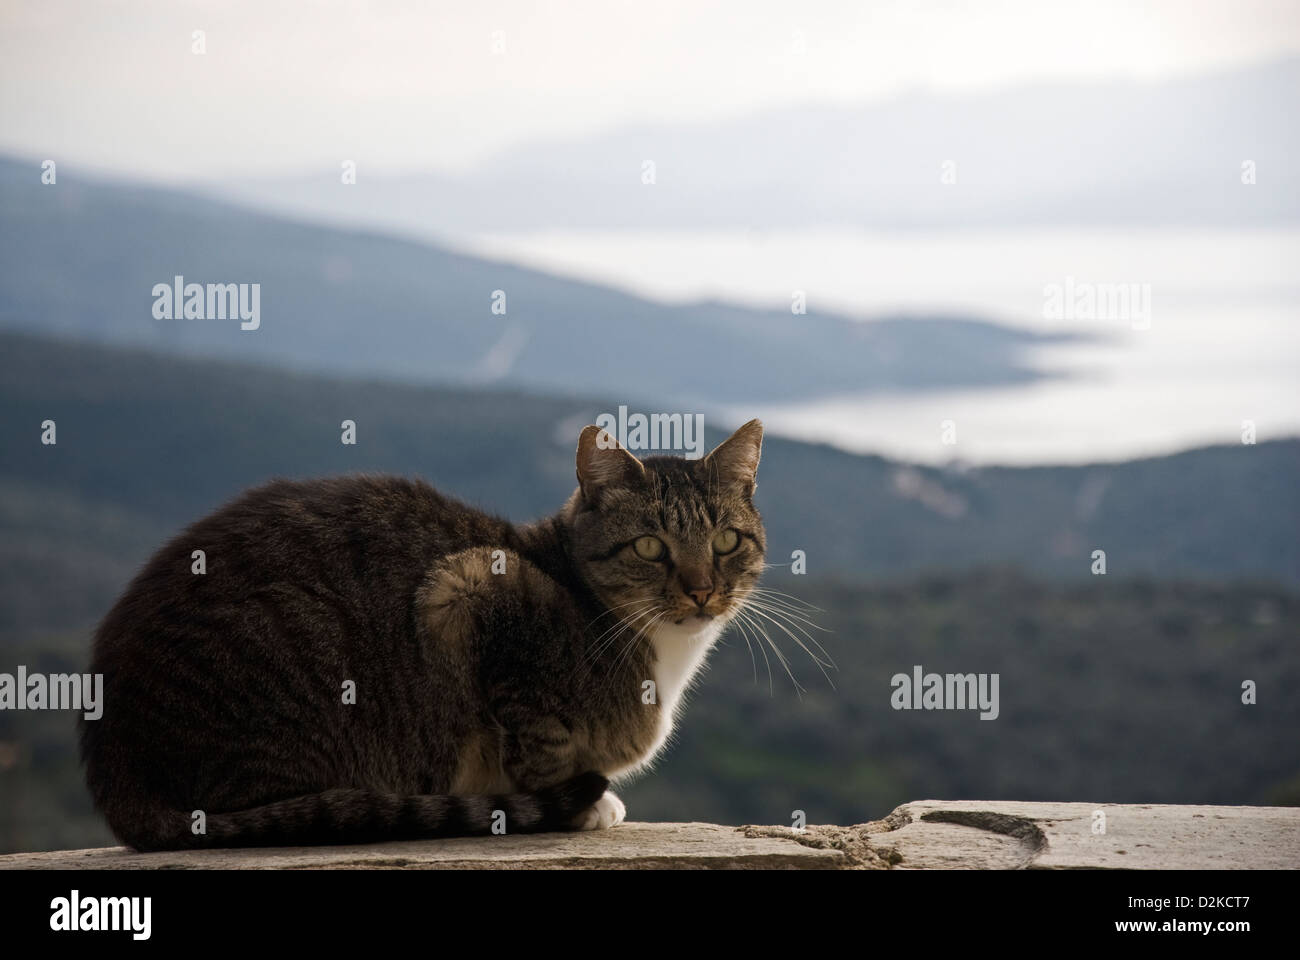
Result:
[[286, 84]]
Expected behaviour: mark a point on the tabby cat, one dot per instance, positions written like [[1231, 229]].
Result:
[[363, 658]]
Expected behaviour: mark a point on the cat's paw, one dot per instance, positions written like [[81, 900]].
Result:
[[607, 812]]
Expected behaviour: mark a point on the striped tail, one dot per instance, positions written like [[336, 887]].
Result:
[[365, 816]]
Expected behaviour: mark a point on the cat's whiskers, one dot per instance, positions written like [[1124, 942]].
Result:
[[628, 622], [796, 620], [821, 664], [601, 644], [631, 643], [620, 606], [642, 601], [790, 614], [732, 618], [794, 615], [742, 622], [780, 657], [792, 602]]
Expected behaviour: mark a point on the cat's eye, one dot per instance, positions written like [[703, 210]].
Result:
[[649, 548], [726, 541]]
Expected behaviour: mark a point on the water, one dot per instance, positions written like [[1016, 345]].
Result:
[[1222, 344]]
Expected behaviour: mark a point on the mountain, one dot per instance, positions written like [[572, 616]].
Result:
[[1138, 152], [81, 258], [1104, 679], [147, 442]]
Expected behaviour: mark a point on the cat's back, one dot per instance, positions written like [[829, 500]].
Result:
[[359, 544], [231, 650]]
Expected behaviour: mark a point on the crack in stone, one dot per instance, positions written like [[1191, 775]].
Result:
[[854, 842], [1026, 831]]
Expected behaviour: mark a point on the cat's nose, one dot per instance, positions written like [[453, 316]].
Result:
[[701, 596], [698, 586]]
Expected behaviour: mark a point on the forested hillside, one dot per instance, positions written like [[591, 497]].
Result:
[[1125, 687]]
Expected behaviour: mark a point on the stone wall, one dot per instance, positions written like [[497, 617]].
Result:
[[926, 834]]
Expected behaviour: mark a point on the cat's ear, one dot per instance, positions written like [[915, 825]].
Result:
[[734, 462], [602, 464]]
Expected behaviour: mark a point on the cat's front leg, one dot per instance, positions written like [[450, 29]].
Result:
[[544, 756], [520, 619]]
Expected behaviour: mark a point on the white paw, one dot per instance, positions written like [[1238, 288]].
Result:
[[607, 812]]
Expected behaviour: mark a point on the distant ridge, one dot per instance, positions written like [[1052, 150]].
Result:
[[148, 442], [1135, 152], [81, 257]]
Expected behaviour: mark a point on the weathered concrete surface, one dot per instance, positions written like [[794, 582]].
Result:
[[630, 845], [948, 834], [927, 834]]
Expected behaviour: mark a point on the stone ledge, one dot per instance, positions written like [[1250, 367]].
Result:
[[926, 834]]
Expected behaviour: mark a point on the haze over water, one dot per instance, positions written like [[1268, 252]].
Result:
[[1223, 343]]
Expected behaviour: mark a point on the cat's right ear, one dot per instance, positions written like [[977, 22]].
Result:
[[603, 464]]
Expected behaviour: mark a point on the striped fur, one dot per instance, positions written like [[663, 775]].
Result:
[[499, 670]]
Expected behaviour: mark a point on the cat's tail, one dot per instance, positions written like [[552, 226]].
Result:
[[366, 816]]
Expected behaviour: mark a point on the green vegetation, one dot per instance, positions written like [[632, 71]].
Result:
[[1110, 691], [1118, 688]]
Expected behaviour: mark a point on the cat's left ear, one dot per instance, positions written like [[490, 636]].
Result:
[[602, 464], [734, 462]]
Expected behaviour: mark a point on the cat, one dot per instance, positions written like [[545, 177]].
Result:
[[363, 658]]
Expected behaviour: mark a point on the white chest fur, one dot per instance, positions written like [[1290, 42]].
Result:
[[680, 652]]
